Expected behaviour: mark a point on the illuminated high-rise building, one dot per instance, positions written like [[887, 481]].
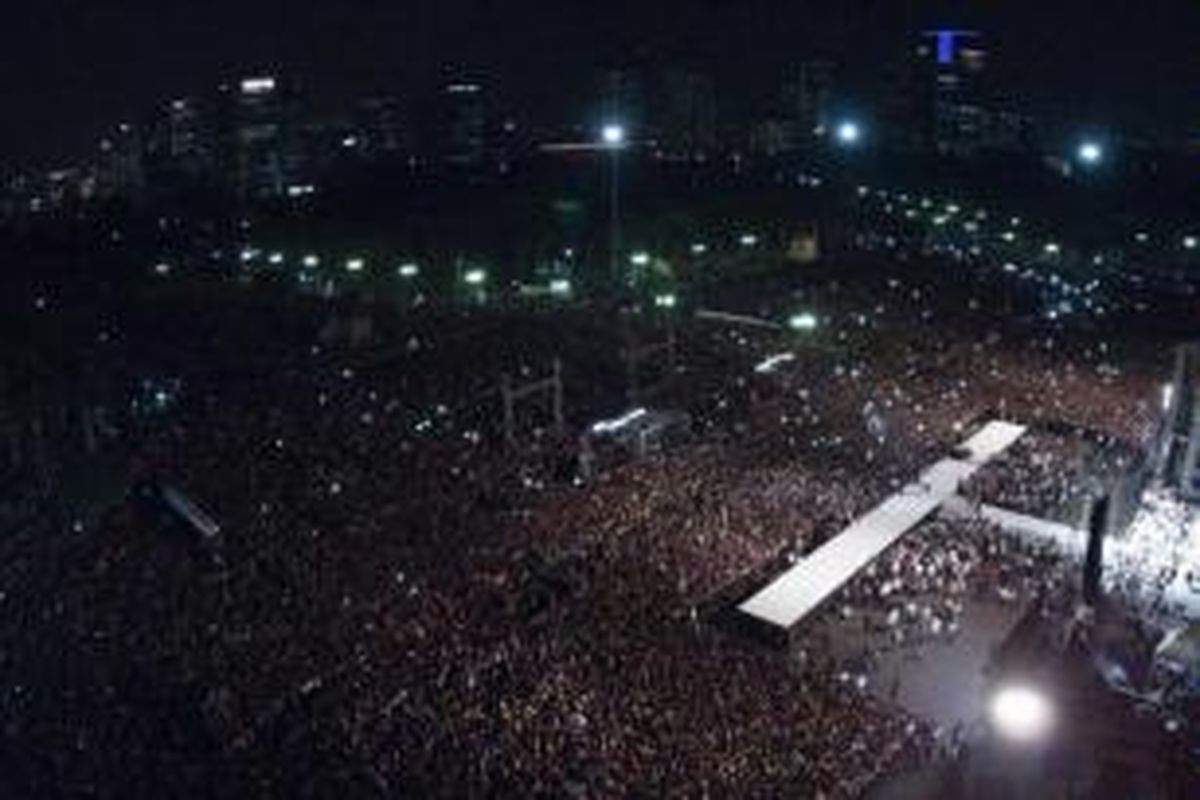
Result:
[[187, 136], [120, 167], [797, 113], [462, 115], [771, 137], [949, 95], [686, 121], [262, 154], [181, 146], [806, 98], [380, 127]]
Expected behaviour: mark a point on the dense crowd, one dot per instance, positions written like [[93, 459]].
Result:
[[1042, 475], [916, 592], [397, 604]]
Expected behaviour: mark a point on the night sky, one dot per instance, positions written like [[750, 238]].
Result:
[[76, 65]]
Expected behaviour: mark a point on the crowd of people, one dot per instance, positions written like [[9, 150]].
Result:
[[1042, 475], [917, 591], [398, 604]]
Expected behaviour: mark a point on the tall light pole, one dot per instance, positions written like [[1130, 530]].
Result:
[[613, 138]]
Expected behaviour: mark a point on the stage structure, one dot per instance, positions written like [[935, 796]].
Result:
[[511, 394], [799, 591], [637, 355], [1177, 455]]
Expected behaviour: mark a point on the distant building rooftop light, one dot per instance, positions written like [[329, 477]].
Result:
[[258, 85]]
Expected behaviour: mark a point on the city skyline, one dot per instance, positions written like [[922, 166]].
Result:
[[85, 68]]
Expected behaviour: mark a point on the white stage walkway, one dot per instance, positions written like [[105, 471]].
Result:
[[799, 590]]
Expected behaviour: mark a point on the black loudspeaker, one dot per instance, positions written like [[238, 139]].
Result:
[[1093, 562]]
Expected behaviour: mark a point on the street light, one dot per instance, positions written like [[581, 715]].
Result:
[[1090, 153], [1021, 714], [474, 277], [409, 270], [613, 137], [803, 322], [848, 133], [355, 265]]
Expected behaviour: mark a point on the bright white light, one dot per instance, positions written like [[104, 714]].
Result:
[[748, 240], [409, 270], [613, 135], [350, 142], [849, 133], [162, 268], [1190, 242], [258, 85], [474, 277], [1168, 394], [665, 301], [1021, 714], [355, 265], [639, 259], [311, 260], [699, 248], [802, 322], [1008, 236], [1010, 267], [1053, 248], [768, 365], [560, 286], [249, 254], [275, 258], [610, 425], [1091, 153]]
